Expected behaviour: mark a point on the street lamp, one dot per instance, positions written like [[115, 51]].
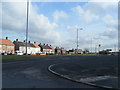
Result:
[[77, 38], [27, 25]]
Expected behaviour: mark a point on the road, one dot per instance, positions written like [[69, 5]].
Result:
[[33, 73]]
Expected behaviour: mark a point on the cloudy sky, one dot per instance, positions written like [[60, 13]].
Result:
[[56, 23]]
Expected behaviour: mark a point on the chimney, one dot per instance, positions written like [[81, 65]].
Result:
[[50, 45], [16, 39], [29, 41], [44, 43], [34, 42], [6, 38]]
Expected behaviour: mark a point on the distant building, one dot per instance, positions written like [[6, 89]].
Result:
[[71, 51], [86, 51], [58, 50], [63, 51], [78, 51], [46, 49], [6, 46]]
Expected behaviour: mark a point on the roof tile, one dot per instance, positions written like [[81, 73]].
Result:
[[6, 42]]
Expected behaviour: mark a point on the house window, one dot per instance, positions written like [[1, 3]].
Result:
[[10, 46], [3, 45]]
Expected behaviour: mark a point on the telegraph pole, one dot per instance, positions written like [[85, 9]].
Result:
[[27, 24]]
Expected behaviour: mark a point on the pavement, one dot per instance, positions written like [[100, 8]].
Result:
[[34, 73]]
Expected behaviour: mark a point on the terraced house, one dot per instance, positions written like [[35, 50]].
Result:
[[46, 49], [6, 46], [36, 49], [32, 48]]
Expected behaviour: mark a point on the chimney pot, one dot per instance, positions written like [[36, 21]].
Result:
[[29, 41], [34, 42], [6, 38], [16, 39]]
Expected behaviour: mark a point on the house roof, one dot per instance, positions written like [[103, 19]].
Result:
[[6, 42], [31, 45], [62, 49], [24, 44], [44, 46], [20, 43], [36, 45], [51, 47]]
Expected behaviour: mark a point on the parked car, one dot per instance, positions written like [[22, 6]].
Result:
[[19, 53]]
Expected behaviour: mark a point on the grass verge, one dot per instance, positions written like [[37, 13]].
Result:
[[20, 57]]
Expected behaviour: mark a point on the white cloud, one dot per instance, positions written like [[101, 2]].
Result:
[[71, 28], [59, 15], [110, 34], [89, 16], [110, 21], [78, 9], [93, 11], [86, 14], [13, 16], [40, 28]]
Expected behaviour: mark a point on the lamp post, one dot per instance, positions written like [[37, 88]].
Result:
[[77, 38], [27, 25]]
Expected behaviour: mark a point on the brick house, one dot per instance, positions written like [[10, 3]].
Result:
[[6, 46]]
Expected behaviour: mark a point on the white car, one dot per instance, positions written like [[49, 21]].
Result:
[[19, 53]]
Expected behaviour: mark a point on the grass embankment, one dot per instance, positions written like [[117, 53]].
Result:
[[21, 57]]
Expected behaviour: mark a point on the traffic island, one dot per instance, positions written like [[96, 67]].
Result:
[[103, 77]]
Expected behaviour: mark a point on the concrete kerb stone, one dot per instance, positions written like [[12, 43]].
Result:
[[78, 81]]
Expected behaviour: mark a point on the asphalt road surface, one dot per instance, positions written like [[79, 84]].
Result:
[[33, 73]]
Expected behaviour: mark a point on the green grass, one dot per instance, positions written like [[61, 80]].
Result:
[[21, 57]]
